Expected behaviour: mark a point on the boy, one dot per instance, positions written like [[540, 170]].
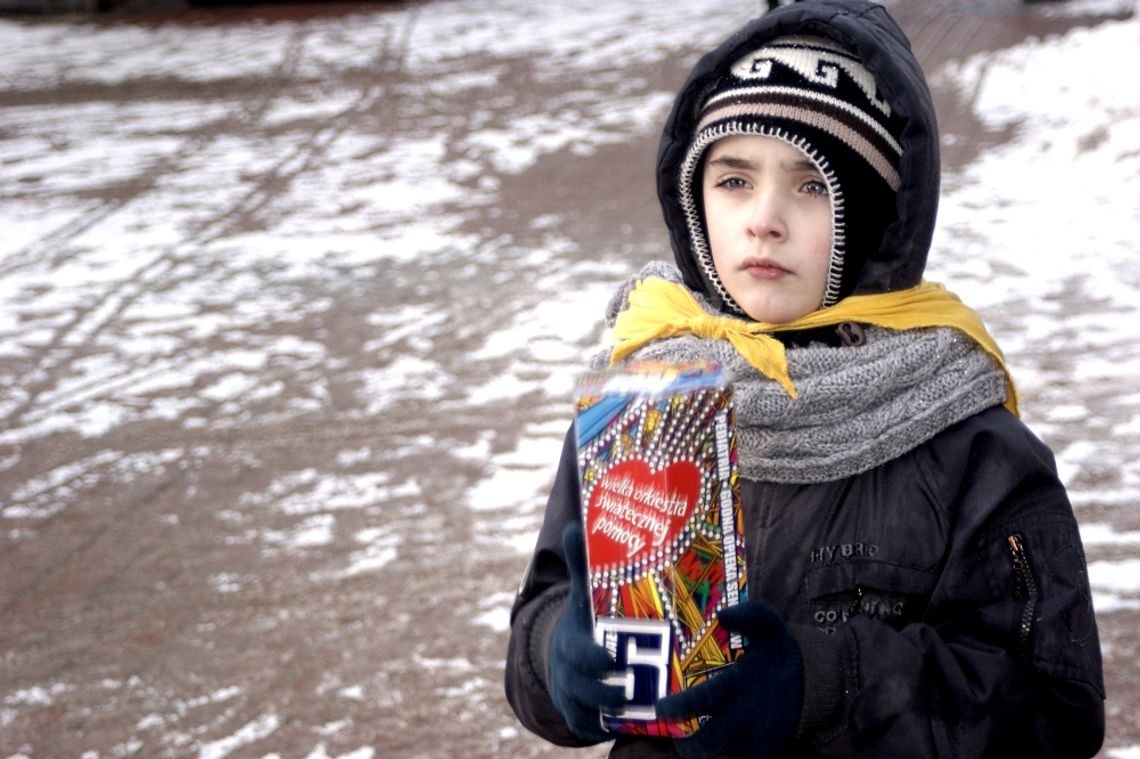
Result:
[[917, 584]]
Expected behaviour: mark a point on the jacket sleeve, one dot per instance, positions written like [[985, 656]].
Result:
[[1006, 659], [537, 607]]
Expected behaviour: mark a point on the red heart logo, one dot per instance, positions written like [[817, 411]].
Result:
[[634, 511]]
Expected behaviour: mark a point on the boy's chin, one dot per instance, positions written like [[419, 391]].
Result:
[[770, 313]]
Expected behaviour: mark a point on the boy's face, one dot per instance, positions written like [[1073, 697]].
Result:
[[769, 223]]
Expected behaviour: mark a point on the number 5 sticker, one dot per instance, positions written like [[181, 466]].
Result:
[[640, 649]]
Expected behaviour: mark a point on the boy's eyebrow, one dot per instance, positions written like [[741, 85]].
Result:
[[735, 162], [732, 162]]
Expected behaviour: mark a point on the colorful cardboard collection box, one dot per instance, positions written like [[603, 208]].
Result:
[[660, 489]]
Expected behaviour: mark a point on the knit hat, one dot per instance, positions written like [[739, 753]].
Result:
[[813, 93]]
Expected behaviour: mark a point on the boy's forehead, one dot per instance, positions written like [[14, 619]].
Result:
[[753, 150]]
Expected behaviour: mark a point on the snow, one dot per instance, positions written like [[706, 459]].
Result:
[[251, 732], [1129, 752]]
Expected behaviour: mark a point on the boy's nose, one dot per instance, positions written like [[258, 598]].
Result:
[[767, 218]]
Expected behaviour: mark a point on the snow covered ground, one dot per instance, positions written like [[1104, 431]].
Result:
[[289, 313]]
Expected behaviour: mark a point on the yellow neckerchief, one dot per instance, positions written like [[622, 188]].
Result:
[[660, 309]]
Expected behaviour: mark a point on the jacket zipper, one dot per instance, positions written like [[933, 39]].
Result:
[[1024, 589]]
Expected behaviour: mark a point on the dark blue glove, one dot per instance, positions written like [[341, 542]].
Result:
[[576, 664], [753, 705]]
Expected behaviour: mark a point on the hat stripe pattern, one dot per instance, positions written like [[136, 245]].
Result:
[[864, 135]]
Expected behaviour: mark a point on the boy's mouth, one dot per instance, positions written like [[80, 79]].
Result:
[[759, 268]]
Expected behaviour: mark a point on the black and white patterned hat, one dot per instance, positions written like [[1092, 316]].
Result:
[[813, 93]]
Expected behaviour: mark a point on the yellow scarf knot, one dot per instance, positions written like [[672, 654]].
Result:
[[660, 309]]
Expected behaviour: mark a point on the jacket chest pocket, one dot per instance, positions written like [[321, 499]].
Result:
[[864, 587]]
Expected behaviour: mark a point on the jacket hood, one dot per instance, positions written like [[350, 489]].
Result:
[[868, 31]]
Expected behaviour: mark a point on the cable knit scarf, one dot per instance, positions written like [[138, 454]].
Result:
[[855, 408]]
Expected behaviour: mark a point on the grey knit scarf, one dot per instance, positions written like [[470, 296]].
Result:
[[858, 407]]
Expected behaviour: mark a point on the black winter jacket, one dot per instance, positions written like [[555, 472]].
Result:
[[940, 600]]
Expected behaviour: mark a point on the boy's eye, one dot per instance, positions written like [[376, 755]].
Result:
[[815, 187], [732, 183]]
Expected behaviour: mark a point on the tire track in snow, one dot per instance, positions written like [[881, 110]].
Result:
[[87, 323], [50, 245]]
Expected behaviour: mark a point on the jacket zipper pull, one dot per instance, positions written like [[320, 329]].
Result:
[[857, 604], [1024, 590]]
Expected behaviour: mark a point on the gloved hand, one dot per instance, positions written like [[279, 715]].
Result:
[[576, 664], [753, 706]]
